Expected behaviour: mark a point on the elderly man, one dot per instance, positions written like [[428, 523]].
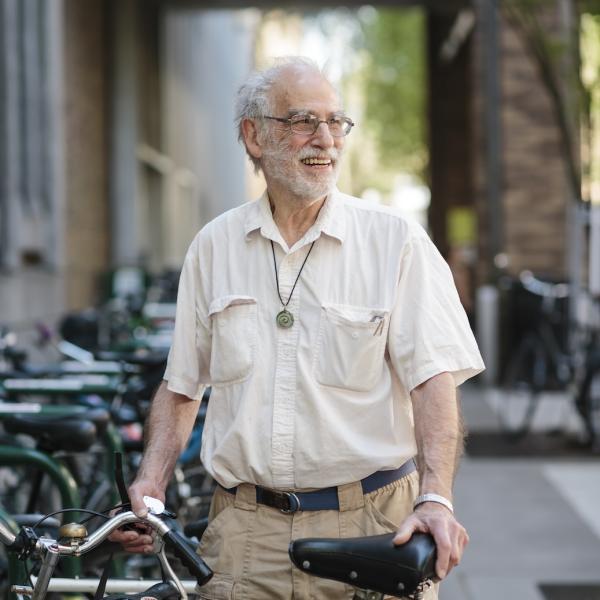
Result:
[[332, 335]]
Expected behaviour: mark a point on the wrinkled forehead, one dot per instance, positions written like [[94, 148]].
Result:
[[304, 89]]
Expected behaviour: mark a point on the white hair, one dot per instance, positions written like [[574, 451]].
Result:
[[254, 99]]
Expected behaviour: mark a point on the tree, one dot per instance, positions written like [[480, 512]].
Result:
[[558, 60], [394, 81]]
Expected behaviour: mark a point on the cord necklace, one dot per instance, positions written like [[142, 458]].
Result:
[[284, 317]]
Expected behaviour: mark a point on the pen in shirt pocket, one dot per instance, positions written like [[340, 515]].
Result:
[[379, 320]]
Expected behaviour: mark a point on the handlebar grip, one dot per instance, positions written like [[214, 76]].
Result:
[[182, 550]]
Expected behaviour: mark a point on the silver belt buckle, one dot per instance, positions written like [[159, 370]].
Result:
[[294, 506]]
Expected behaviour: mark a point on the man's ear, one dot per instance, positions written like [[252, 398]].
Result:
[[250, 133]]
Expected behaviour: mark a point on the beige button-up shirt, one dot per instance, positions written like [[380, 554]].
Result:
[[325, 402]]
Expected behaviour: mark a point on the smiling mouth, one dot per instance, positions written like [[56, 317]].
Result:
[[316, 162]]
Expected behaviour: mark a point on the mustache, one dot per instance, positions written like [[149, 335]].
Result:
[[330, 153]]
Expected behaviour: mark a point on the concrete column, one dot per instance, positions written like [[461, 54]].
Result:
[[203, 66], [124, 136], [10, 201], [594, 277], [33, 132], [488, 12], [53, 150]]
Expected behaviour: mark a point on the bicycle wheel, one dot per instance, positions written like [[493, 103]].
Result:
[[523, 381], [588, 401]]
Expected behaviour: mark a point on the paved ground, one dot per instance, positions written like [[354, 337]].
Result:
[[533, 520]]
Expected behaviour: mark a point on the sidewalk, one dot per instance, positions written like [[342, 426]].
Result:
[[533, 520]]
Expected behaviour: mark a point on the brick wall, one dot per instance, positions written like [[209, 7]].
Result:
[[533, 184], [535, 190]]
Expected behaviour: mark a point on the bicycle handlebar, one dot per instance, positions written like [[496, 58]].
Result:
[[543, 288], [194, 564], [7, 537]]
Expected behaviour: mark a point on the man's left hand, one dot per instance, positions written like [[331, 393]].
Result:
[[449, 535]]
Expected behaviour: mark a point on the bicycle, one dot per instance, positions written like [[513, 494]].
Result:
[[55, 431], [372, 562], [118, 387], [587, 399], [539, 363], [73, 540]]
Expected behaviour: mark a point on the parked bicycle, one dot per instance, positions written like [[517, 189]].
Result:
[[59, 450], [588, 392], [549, 358], [73, 540]]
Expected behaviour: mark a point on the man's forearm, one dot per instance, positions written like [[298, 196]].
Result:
[[166, 432], [439, 434]]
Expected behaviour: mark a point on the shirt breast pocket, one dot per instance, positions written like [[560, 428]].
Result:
[[351, 346], [234, 332]]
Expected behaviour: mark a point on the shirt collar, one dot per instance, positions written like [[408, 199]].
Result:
[[330, 221]]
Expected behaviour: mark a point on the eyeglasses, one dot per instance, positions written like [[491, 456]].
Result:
[[308, 124]]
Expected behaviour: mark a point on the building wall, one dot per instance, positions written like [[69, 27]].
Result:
[[206, 57], [449, 128], [86, 171], [535, 191], [452, 213], [533, 184], [31, 163]]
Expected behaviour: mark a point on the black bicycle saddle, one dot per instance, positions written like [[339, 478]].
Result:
[[54, 433], [369, 563]]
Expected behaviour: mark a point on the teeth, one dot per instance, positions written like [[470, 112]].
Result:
[[316, 161]]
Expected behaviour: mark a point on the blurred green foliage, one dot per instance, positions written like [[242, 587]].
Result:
[[394, 82]]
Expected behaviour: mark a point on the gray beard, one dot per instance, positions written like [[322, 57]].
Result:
[[286, 174]]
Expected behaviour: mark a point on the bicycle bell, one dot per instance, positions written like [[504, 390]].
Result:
[[75, 532]]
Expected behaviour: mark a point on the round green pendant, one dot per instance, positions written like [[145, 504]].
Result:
[[285, 319]]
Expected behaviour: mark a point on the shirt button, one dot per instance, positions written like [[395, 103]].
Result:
[[355, 335]]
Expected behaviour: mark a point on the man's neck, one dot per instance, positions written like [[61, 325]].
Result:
[[294, 216]]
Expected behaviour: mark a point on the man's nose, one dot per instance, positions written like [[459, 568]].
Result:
[[323, 135]]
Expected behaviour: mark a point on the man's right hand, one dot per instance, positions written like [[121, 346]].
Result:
[[138, 538], [166, 432]]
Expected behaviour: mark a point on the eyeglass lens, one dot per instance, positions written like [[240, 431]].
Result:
[[338, 126]]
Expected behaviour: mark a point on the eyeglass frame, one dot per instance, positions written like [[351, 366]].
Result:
[[318, 122]]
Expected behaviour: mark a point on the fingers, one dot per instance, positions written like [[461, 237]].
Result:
[[449, 535], [450, 542], [138, 490], [137, 503], [138, 538], [445, 559], [135, 541], [407, 528]]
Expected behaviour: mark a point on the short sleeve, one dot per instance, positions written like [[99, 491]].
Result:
[[429, 331], [189, 357]]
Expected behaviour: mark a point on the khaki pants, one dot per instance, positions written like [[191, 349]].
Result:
[[246, 544]]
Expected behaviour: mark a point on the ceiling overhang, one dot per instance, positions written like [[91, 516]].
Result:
[[438, 6]]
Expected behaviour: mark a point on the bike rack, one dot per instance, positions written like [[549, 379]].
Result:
[[12, 456]]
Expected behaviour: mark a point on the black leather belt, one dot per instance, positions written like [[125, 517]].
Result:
[[326, 498]]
